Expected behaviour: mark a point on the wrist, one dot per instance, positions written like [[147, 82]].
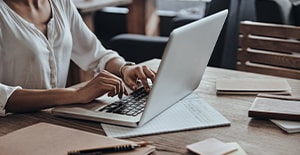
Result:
[[126, 64], [69, 96]]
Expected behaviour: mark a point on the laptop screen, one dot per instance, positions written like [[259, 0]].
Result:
[[184, 61]]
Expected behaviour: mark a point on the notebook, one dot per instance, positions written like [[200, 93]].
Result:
[[50, 139], [252, 86], [194, 112], [275, 107], [183, 63]]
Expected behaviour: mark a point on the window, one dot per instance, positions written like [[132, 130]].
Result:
[[183, 6]]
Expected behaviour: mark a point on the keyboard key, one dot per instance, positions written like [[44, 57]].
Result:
[[131, 105]]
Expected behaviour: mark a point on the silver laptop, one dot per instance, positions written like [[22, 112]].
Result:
[[184, 61]]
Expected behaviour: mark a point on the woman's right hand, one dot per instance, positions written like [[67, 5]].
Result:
[[104, 82]]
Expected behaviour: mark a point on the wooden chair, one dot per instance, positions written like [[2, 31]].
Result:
[[271, 49]]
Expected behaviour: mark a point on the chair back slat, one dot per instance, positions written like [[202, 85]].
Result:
[[271, 49], [269, 70], [276, 45], [271, 30], [267, 58]]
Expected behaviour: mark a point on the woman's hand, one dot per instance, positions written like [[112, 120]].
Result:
[[28, 100], [104, 82], [134, 74]]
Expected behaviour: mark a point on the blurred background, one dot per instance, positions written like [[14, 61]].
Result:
[[115, 26]]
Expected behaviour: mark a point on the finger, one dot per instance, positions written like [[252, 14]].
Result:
[[143, 78], [126, 91], [149, 73], [153, 71], [116, 82], [107, 88], [119, 82], [111, 90], [122, 90], [132, 82], [120, 94]]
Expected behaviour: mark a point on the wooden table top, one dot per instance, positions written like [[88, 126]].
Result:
[[253, 135]]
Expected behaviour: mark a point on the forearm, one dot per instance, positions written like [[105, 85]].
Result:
[[26, 100]]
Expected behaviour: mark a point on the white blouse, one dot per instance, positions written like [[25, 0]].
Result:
[[28, 59]]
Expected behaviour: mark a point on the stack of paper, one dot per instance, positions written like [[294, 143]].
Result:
[[288, 126], [279, 107], [189, 113], [275, 107], [252, 86]]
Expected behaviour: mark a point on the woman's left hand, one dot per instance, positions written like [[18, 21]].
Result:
[[133, 75]]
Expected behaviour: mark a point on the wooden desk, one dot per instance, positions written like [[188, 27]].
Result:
[[255, 136]]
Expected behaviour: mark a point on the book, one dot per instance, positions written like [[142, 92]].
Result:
[[252, 86], [275, 107], [191, 112], [288, 126], [49, 139]]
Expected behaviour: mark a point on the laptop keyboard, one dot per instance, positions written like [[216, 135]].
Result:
[[130, 105]]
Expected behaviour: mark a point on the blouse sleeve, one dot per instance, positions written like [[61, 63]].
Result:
[[5, 93], [88, 52]]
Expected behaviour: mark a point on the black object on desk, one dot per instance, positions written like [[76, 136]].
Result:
[[116, 148]]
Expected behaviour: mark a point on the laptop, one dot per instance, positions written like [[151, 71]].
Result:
[[181, 69]]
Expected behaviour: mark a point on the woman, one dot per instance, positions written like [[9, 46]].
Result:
[[38, 38]]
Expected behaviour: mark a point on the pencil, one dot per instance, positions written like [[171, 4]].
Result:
[[110, 149]]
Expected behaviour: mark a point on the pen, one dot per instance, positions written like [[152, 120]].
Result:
[[109, 149]]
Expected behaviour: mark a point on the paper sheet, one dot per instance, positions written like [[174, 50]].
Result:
[[240, 150], [288, 126], [211, 146], [189, 113]]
